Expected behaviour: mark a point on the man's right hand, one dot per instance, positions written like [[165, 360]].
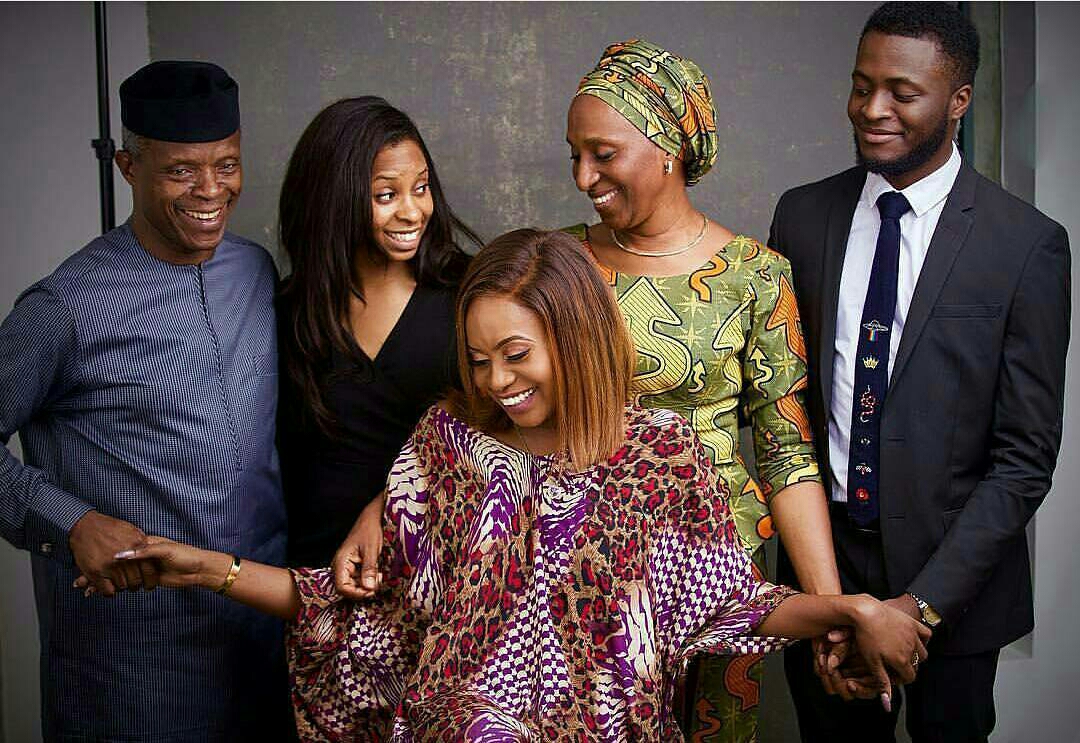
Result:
[[830, 652], [94, 541], [356, 563]]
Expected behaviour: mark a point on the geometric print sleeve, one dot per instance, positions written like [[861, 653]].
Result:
[[39, 362], [722, 601], [699, 592], [774, 374], [344, 659], [349, 661]]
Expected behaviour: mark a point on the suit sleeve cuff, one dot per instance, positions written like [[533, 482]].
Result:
[[925, 590]]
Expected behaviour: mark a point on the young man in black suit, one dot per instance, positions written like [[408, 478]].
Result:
[[936, 310]]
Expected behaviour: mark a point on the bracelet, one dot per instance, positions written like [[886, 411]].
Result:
[[234, 571]]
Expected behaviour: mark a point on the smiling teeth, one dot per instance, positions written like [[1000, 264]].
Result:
[[517, 399], [202, 216], [601, 200], [405, 237]]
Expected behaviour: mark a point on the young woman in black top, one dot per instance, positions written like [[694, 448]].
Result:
[[366, 322]]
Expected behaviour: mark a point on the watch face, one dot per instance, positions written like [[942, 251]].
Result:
[[929, 616]]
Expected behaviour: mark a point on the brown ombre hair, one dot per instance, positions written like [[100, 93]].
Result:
[[550, 274]]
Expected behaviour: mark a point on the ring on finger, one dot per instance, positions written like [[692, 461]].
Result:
[[915, 660]]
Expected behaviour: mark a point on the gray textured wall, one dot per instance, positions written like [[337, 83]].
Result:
[[489, 83]]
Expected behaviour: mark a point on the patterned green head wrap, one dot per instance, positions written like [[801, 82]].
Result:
[[666, 97]]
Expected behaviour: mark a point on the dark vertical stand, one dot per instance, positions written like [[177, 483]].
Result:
[[103, 145]]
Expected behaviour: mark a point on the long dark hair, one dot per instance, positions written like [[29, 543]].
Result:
[[324, 222]]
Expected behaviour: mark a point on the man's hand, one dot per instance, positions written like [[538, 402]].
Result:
[[845, 673], [905, 603], [860, 682], [891, 642], [829, 654], [94, 541], [356, 563]]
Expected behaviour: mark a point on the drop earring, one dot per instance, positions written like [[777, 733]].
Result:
[[667, 167]]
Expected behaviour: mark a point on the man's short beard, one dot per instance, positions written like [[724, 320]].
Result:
[[919, 155]]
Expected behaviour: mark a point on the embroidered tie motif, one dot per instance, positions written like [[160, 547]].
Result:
[[872, 369]]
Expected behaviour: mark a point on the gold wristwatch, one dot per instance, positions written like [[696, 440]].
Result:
[[928, 614]]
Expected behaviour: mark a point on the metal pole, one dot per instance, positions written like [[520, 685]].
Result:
[[103, 145]]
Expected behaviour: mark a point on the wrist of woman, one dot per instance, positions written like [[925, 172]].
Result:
[[850, 609], [214, 570], [861, 608]]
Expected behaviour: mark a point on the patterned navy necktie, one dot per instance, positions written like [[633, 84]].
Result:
[[872, 365]]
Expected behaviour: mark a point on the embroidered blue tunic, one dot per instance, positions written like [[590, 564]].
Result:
[[147, 391]]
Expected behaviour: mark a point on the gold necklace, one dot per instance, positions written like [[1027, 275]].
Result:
[[665, 253], [559, 460], [521, 435]]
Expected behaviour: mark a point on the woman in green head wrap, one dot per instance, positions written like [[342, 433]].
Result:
[[715, 323]]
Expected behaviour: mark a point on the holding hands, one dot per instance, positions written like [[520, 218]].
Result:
[[886, 647], [94, 541], [267, 588], [173, 565], [887, 642], [115, 555]]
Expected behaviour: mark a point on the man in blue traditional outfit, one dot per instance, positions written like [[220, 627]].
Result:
[[141, 377]]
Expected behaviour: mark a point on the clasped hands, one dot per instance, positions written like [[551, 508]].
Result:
[[114, 556], [95, 540], [842, 657]]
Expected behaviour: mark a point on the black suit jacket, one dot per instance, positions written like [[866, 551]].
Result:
[[971, 422]]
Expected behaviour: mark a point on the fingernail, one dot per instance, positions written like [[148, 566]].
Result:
[[886, 702], [126, 554], [75, 584], [88, 592]]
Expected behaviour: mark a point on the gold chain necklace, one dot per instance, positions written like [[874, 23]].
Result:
[[521, 435], [559, 460], [665, 253]]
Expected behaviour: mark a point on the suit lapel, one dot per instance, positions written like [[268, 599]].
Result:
[[837, 229], [949, 236]]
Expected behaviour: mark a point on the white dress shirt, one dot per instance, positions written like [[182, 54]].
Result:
[[927, 198]]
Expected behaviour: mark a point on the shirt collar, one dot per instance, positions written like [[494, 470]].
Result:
[[924, 194]]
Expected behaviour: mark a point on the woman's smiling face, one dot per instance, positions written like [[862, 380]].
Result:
[[615, 164], [401, 202], [511, 361]]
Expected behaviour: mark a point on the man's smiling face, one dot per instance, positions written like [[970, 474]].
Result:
[[904, 106], [183, 195]]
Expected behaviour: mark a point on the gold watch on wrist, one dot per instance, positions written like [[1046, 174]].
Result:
[[927, 614]]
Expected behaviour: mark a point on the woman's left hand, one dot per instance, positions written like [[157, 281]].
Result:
[[356, 563], [889, 640]]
